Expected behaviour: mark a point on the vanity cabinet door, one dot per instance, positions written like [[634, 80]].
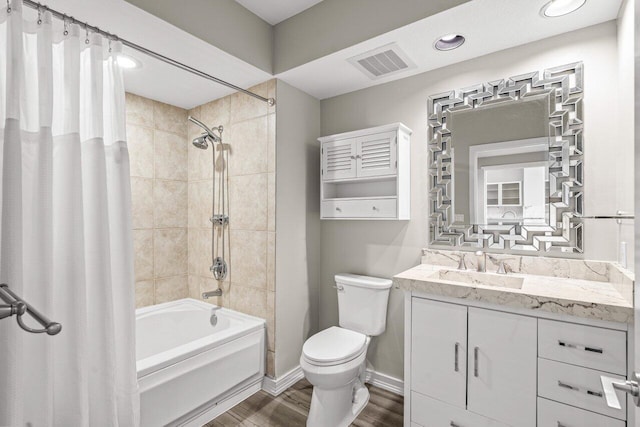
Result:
[[502, 363], [439, 350]]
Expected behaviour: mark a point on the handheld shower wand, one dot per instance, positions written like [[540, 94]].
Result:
[[219, 265]]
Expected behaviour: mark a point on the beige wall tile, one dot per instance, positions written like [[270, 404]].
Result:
[[271, 143], [170, 118], [271, 261], [170, 156], [271, 202], [271, 364], [170, 204], [245, 107], [249, 258], [271, 88], [194, 286], [171, 289], [199, 251], [140, 143], [143, 254], [249, 300], [216, 113], [139, 110], [170, 252], [200, 163], [271, 321], [144, 293], [200, 197], [142, 202], [248, 202], [249, 140]]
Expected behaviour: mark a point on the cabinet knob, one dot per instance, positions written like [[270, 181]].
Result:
[[338, 209], [353, 157], [375, 209]]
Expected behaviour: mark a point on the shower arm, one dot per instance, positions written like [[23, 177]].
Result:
[[216, 138], [19, 307]]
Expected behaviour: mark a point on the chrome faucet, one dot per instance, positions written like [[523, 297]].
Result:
[[216, 293], [481, 262], [461, 263]]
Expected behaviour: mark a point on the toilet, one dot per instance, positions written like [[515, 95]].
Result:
[[334, 360]]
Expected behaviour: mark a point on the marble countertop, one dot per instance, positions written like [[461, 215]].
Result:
[[583, 298]]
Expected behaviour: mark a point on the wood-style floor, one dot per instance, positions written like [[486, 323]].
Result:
[[290, 409]]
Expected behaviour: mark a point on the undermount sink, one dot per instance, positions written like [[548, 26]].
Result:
[[477, 278]]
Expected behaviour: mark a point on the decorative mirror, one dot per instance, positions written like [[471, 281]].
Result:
[[506, 163]]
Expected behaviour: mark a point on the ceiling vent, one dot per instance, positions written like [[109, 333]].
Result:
[[382, 62]]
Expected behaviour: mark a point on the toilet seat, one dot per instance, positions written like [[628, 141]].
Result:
[[334, 346]]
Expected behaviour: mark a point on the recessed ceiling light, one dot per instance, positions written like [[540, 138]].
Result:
[[561, 7], [128, 62], [448, 42]]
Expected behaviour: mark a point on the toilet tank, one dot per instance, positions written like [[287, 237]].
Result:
[[362, 303]]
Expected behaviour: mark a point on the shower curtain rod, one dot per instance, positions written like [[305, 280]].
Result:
[[109, 36]]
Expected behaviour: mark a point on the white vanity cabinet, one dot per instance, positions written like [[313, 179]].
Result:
[[472, 364], [365, 174], [472, 360]]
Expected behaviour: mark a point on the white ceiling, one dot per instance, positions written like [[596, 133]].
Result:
[[504, 24], [276, 11]]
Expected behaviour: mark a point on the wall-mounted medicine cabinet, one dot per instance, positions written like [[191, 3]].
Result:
[[366, 174]]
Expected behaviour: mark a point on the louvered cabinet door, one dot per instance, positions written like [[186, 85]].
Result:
[[377, 155], [339, 159]]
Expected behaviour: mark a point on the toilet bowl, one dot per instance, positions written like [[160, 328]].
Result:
[[334, 360]]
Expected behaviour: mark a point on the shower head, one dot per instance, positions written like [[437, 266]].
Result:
[[208, 132], [201, 142]]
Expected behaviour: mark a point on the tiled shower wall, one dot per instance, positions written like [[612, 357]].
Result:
[[156, 136], [249, 131]]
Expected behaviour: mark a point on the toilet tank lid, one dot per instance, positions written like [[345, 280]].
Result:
[[363, 281]]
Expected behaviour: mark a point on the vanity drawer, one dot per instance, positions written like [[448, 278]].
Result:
[[361, 208], [434, 413], [554, 414], [596, 348], [577, 386]]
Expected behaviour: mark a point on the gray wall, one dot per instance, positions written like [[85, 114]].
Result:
[[382, 248], [223, 23], [297, 223]]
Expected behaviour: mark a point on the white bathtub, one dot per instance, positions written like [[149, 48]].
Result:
[[190, 371]]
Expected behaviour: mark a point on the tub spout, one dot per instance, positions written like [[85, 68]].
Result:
[[216, 293]]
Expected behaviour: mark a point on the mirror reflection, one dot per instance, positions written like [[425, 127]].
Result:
[[500, 154]]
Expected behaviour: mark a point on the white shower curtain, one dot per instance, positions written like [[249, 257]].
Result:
[[65, 231]]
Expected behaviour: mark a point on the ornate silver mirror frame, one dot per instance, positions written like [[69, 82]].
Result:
[[564, 85]]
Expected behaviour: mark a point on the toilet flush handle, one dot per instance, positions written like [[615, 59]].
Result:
[[340, 288]]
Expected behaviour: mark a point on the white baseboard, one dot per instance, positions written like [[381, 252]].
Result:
[[275, 386], [385, 382]]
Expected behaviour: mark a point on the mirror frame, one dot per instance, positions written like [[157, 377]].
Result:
[[564, 86]]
